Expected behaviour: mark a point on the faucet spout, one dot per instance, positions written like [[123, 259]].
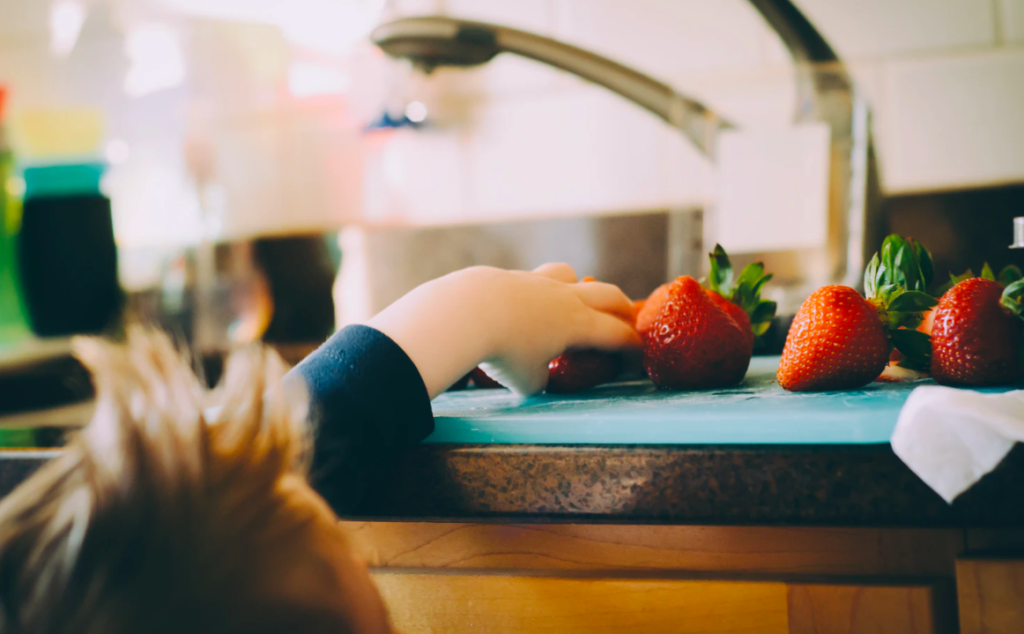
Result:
[[435, 41]]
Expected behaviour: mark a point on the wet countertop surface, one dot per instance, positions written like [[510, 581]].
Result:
[[756, 412]]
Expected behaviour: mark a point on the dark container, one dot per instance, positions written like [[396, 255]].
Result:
[[68, 260]]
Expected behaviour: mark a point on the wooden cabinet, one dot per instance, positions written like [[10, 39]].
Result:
[[442, 577], [527, 604], [990, 592], [868, 609], [500, 603]]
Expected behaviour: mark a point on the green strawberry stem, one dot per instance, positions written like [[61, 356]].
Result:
[[744, 291], [895, 283], [987, 273], [1013, 298], [1010, 274], [953, 281], [1007, 276]]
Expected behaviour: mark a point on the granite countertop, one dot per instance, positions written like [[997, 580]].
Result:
[[805, 485], [812, 485]]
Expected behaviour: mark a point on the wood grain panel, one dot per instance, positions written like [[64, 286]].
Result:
[[991, 595], [741, 550], [863, 609], [421, 603]]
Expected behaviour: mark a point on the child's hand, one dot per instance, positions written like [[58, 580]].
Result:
[[511, 322]]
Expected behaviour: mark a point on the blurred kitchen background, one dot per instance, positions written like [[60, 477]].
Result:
[[237, 170]]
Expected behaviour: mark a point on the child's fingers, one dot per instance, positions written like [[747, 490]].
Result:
[[606, 298], [607, 332], [558, 271]]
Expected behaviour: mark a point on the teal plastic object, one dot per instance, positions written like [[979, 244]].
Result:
[[757, 412], [63, 180]]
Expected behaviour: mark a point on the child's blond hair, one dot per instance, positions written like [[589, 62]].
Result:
[[161, 518]]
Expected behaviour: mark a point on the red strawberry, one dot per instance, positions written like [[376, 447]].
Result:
[[837, 341], [651, 308], [740, 296], [975, 340], [577, 370], [840, 340], [693, 343], [738, 314], [481, 380], [1007, 276]]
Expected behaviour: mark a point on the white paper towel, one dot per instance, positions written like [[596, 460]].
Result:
[[951, 438]]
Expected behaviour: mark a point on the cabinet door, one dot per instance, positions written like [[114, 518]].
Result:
[[991, 595], [445, 602]]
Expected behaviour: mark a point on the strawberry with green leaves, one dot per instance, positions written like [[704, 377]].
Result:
[[977, 333], [841, 340], [704, 338], [1007, 276], [743, 292], [694, 343]]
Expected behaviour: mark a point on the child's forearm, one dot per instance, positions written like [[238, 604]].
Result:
[[439, 327]]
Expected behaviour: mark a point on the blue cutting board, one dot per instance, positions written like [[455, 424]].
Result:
[[757, 411]]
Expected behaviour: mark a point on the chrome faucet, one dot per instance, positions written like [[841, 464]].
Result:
[[825, 93]]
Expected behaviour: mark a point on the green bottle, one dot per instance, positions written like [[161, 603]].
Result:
[[13, 323]]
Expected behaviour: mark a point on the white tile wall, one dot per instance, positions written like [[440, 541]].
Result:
[[417, 177], [1011, 13], [765, 97], [570, 153], [573, 152], [667, 38], [956, 122], [531, 15], [877, 28]]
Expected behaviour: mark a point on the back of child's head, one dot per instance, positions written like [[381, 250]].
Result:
[[158, 518]]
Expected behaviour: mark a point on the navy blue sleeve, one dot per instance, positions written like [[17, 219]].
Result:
[[368, 403]]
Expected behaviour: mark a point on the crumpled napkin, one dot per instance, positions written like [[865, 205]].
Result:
[[951, 437]]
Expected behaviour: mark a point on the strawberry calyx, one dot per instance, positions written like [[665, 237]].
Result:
[[1008, 275], [1013, 298], [896, 284], [744, 290]]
